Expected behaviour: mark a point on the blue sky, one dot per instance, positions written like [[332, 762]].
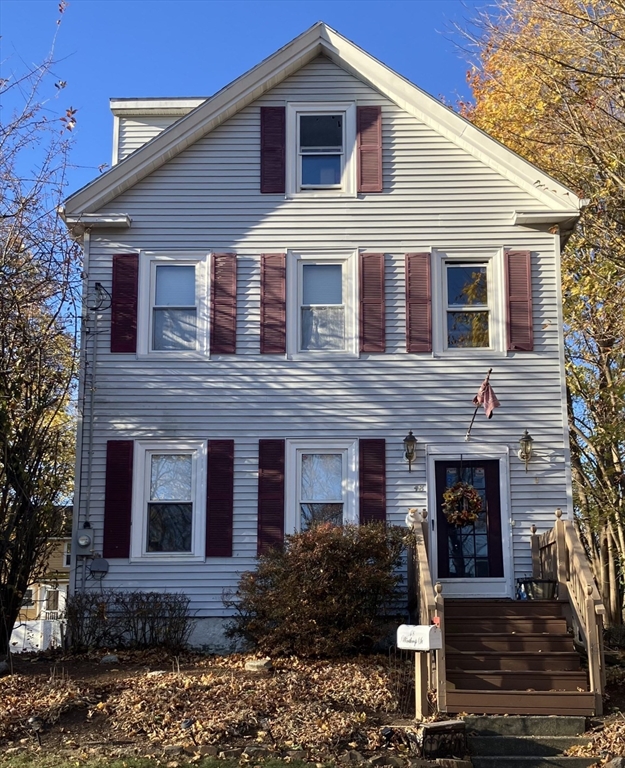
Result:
[[133, 48]]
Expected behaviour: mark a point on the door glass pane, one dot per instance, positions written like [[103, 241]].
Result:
[[174, 329], [322, 477], [322, 284], [171, 477], [323, 328], [175, 286], [467, 546]]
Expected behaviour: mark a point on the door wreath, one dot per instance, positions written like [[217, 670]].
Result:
[[462, 504]]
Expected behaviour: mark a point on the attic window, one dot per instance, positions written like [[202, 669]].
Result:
[[321, 149], [321, 145]]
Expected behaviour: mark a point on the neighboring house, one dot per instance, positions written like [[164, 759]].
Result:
[[43, 606], [281, 281]]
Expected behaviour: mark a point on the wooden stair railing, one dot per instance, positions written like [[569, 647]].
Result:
[[431, 606], [558, 554]]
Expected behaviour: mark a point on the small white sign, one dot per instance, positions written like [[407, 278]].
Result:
[[414, 637]]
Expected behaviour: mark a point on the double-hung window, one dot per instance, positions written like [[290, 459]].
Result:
[[322, 305], [168, 504], [467, 310], [468, 302], [173, 291], [320, 149], [321, 483]]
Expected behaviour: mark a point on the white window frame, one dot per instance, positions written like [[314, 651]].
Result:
[[294, 289], [347, 187], [493, 260], [67, 554], [143, 450], [148, 261], [292, 473]]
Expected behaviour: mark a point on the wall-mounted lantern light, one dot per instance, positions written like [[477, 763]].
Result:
[[525, 451], [410, 448]]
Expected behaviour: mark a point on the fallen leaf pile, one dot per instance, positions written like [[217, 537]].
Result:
[[605, 741], [301, 705], [317, 706], [24, 697]]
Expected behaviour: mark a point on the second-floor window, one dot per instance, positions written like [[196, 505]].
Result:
[[321, 304], [467, 311], [173, 304], [174, 311]]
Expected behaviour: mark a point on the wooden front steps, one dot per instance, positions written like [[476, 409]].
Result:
[[516, 658]]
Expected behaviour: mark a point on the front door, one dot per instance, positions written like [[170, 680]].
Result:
[[469, 557]]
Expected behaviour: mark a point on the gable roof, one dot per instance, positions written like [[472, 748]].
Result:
[[321, 39]]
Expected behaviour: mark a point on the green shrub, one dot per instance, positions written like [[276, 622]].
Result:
[[329, 591]]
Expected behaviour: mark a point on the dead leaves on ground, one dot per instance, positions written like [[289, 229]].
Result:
[[316, 706]]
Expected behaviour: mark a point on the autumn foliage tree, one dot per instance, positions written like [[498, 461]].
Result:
[[39, 274], [548, 82]]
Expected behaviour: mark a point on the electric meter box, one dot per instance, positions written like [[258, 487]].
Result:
[[417, 637], [82, 543]]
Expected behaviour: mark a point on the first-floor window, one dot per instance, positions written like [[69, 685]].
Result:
[[322, 488], [321, 484], [52, 600], [169, 504]]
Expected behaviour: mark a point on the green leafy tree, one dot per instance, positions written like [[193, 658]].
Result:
[[39, 276]]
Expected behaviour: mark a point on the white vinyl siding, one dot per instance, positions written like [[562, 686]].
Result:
[[435, 196]]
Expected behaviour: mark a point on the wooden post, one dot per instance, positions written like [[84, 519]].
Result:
[[561, 557], [421, 685], [592, 641], [535, 544], [441, 664]]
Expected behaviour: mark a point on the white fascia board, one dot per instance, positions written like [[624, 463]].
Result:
[[286, 61], [90, 221], [451, 125], [173, 140], [154, 107], [545, 217]]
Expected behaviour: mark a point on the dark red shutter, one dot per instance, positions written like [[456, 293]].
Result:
[[118, 498], [273, 303], [124, 302], [369, 149], [224, 303], [372, 480], [519, 301], [272, 150], [418, 303], [270, 494], [372, 309], [219, 498]]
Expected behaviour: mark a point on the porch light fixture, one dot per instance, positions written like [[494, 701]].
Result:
[[525, 452], [410, 447]]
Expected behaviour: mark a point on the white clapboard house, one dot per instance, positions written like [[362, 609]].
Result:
[[282, 281]]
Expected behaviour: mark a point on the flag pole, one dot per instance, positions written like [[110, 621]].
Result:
[[467, 437]]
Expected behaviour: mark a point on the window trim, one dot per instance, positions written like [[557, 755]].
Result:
[[347, 187], [140, 496], [148, 261], [348, 258], [67, 554], [292, 476], [493, 259]]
